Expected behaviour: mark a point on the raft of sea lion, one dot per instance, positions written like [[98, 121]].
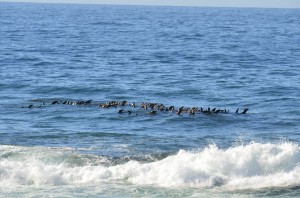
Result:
[[151, 108]]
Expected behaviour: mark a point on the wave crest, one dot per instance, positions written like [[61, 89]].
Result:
[[251, 166]]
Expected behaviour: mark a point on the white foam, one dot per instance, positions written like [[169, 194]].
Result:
[[251, 166]]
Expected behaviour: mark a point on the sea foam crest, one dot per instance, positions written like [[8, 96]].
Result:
[[253, 166]]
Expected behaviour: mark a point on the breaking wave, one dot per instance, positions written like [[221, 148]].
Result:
[[251, 166]]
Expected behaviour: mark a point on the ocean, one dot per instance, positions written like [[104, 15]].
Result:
[[141, 101]]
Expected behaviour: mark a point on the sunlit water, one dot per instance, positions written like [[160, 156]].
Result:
[[224, 58]]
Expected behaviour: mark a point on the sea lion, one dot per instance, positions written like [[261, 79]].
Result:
[[180, 110], [29, 106], [152, 113], [245, 110], [55, 102]]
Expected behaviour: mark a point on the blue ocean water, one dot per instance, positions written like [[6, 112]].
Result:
[[224, 58]]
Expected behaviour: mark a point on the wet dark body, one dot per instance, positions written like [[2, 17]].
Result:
[[150, 108]]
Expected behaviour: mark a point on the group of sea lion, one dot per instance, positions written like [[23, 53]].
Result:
[[150, 107]]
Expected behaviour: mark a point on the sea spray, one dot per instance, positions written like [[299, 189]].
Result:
[[251, 166]]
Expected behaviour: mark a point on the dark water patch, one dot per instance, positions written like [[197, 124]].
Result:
[[120, 50], [28, 58], [44, 63], [144, 159], [49, 136], [69, 90], [111, 23], [101, 134]]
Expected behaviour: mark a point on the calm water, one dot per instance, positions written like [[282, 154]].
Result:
[[224, 58]]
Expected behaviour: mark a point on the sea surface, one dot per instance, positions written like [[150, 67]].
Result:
[[223, 58]]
